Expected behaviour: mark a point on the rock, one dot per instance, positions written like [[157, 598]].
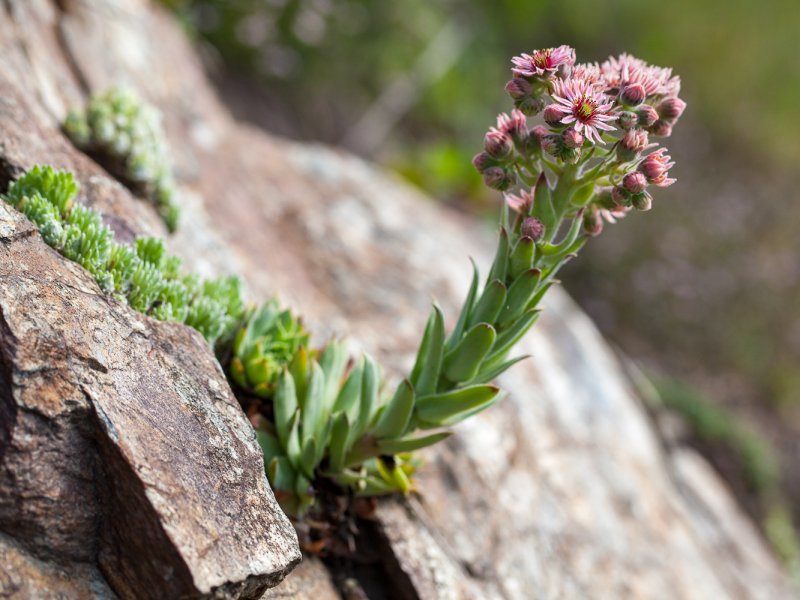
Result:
[[122, 443], [561, 491]]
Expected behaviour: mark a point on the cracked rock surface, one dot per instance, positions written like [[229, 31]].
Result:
[[126, 467]]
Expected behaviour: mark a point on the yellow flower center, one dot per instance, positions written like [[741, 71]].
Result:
[[584, 108]]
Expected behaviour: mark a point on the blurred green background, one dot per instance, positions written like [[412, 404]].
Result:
[[704, 291]]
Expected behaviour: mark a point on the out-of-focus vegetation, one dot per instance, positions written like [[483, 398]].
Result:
[[744, 456], [708, 290]]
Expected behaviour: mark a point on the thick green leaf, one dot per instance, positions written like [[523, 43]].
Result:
[[282, 476], [422, 353], [299, 368], [500, 264], [396, 415], [542, 207], [313, 409], [285, 406], [463, 318], [305, 494], [522, 257], [450, 407], [490, 304], [348, 478], [409, 444], [258, 370], [374, 486], [370, 384], [339, 442], [270, 445], [537, 297], [308, 458], [432, 363], [519, 294], [333, 362], [491, 371], [464, 361], [293, 450], [349, 396], [393, 476], [324, 438], [508, 338]]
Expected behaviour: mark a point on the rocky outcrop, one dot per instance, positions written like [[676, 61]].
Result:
[[126, 466], [122, 446]]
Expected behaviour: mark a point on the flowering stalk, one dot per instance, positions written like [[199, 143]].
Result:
[[586, 164]]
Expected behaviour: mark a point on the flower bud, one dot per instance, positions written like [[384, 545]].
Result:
[[642, 201], [539, 132], [532, 228], [518, 88], [551, 144], [572, 138], [620, 196], [498, 179], [535, 137], [631, 144], [634, 182], [647, 115], [530, 105], [632, 94], [570, 155], [497, 143], [514, 125], [483, 161], [661, 128], [592, 222], [552, 115], [670, 109], [655, 166], [628, 120]]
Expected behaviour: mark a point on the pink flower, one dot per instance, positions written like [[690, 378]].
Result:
[[587, 71], [532, 228], [515, 125], [520, 203], [634, 182], [654, 167], [617, 72], [497, 143], [671, 109], [582, 104], [543, 62]]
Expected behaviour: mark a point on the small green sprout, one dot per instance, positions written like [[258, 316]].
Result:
[[127, 137]]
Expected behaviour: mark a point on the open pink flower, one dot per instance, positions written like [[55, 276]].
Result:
[[543, 62], [616, 72], [584, 107]]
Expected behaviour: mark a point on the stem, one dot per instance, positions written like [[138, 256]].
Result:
[[563, 192]]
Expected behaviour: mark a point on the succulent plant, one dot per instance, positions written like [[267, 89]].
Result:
[[127, 137], [142, 275], [263, 346], [332, 420]]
